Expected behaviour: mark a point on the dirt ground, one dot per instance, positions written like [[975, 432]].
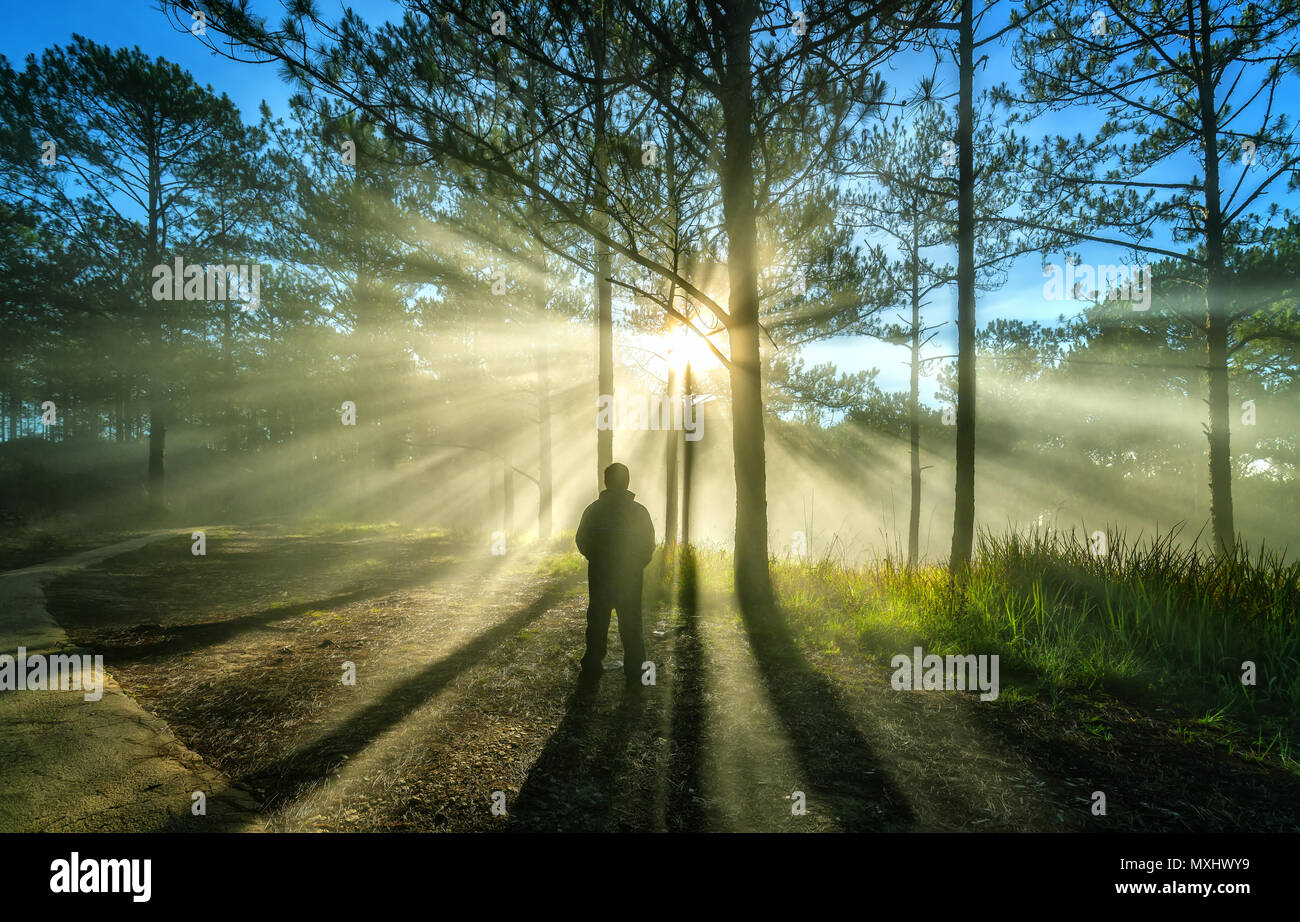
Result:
[[465, 697]]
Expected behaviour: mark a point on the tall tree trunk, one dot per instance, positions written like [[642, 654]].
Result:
[[688, 459], [1216, 308], [157, 374], [675, 388], [545, 477], [914, 414], [963, 521], [508, 488], [605, 377], [495, 482], [157, 426], [228, 413], [670, 465], [47, 432], [604, 288], [541, 296], [119, 410], [753, 581]]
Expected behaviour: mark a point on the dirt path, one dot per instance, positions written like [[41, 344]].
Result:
[[465, 699], [73, 765]]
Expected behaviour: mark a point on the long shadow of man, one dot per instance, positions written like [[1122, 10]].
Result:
[[583, 779], [618, 539]]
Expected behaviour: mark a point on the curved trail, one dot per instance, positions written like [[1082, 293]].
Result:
[[73, 765]]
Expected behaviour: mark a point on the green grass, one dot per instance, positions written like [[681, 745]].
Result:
[[1151, 620], [335, 529]]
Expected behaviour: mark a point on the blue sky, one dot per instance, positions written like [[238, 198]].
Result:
[[31, 27]]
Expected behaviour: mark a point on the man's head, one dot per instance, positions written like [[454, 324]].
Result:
[[617, 477]]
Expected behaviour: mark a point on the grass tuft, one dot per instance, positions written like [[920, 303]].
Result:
[[1144, 619]]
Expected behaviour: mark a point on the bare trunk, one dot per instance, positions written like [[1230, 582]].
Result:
[[963, 523], [914, 416], [753, 581], [670, 465], [1218, 431], [545, 482], [157, 382], [495, 481], [604, 291], [605, 376], [119, 410], [1216, 311], [508, 489], [228, 414], [688, 462]]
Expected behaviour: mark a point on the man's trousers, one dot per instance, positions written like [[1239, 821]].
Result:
[[626, 600]]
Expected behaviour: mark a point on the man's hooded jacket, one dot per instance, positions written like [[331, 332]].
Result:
[[617, 538]]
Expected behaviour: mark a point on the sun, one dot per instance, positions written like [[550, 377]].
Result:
[[687, 346]]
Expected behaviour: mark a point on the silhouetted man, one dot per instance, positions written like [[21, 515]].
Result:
[[618, 539]]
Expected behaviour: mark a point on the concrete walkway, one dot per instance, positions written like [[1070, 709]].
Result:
[[72, 765]]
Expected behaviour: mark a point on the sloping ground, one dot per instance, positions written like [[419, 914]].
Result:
[[100, 765], [465, 696]]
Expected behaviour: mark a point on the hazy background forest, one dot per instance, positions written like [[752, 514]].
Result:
[[456, 311]]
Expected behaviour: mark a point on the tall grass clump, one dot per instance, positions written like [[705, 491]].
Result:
[[1152, 616]]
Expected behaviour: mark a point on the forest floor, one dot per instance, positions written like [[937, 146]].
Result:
[[465, 697], [90, 758]]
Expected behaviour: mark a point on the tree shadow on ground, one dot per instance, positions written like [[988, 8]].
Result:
[[842, 774], [103, 621], [284, 779], [576, 784], [1153, 779], [582, 780], [158, 641], [684, 809]]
